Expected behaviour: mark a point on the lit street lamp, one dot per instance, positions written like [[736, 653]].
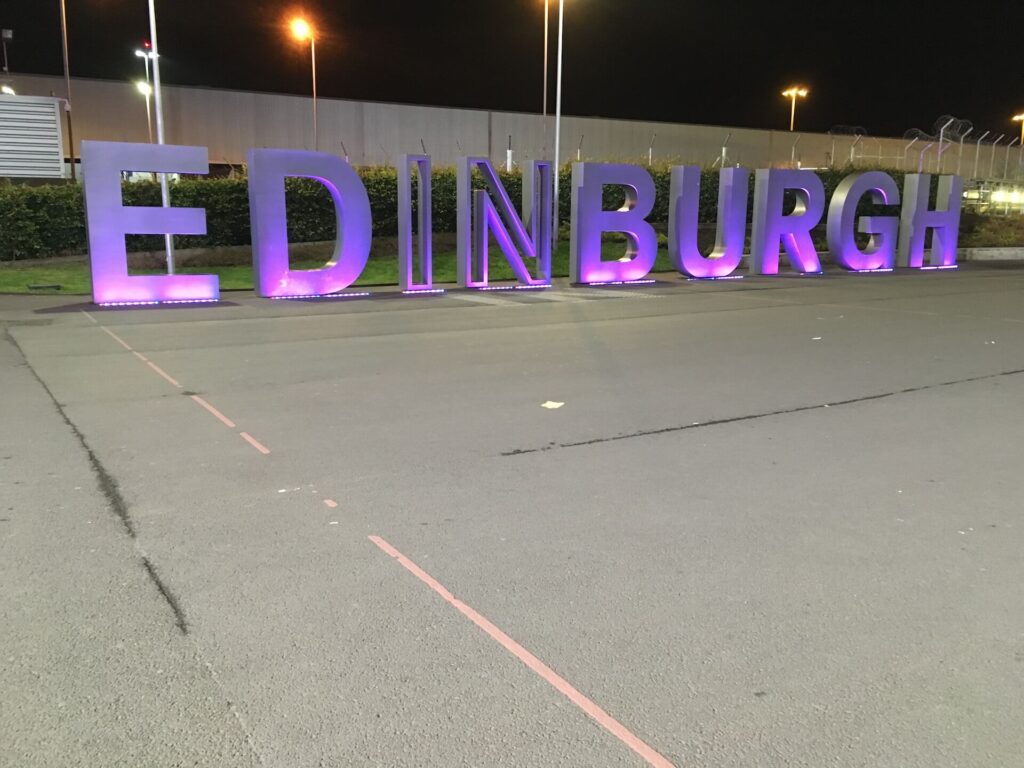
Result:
[[792, 93], [1020, 119], [302, 31]]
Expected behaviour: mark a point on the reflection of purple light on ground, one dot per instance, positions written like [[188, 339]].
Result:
[[623, 282], [868, 271], [510, 287], [320, 296], [153, 303], [940, 266], [722, 277], [413, 291]]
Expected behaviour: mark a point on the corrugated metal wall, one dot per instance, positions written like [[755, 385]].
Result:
[[230, 122], [31, 140]]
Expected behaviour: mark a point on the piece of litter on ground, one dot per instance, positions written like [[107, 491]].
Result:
[[551, 405], [330, 503], [282, 490], [816, 338], [825, 406], [333, 522]]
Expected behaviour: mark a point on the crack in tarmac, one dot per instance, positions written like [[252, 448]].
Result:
[[763, 415], [109, 488]]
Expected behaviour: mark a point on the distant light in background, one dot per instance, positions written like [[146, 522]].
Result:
[[301, 30], [6, 90], [144, 88], [1020, 119], [792, 93]]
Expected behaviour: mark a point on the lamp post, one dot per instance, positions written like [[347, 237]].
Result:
[[158, 98], [67, 84], [558, 115], [302, 31], [547, 16], [792, 93], [1020, 119]]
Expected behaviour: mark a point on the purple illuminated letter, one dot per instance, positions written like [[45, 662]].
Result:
[[478, 217], [684, 205], [916, 220], [109, 220], [268, 169], [590, 221], [424, 231], [772, 227], [842, 221]]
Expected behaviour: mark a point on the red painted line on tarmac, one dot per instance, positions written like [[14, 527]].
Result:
[[254, 443], [559, 683], [214, 411], [163, 373], [116, 338]]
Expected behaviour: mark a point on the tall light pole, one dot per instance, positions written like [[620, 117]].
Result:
[[1020, 119], [792, 93], [302, 31], [165, 194], [558, 114], [67, 84], [547, 16]]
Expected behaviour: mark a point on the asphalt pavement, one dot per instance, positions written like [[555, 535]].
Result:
[[767, 522]]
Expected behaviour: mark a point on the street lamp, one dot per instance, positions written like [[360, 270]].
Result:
[[146, 90], [302, 31], [792, 93], [1020, 119]]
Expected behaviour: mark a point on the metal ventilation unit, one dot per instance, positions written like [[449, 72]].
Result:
[[31, 139]]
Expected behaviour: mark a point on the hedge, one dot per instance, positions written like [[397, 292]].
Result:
[[44, 221]]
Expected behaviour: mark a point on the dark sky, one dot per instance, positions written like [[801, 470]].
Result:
[[886, 66]]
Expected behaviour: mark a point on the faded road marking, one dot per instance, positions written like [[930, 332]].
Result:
[[559, 683]]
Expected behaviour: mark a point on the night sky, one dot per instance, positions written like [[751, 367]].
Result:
[[885, 66]]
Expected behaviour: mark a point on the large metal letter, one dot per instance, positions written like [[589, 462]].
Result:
[[268, 169], [684, 207], [478, 217], [424, 232], [916, 220], [842, 221], [590, 221], [108, 220], [771, 227]]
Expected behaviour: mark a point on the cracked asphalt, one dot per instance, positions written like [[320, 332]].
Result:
[[777, 522]]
